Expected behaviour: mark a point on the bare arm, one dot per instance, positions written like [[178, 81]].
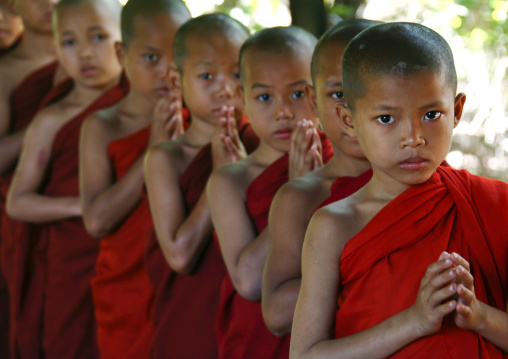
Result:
[[23, 201], [182, 236], [290, 213], [315, 311], [105, 201], [243, 250]]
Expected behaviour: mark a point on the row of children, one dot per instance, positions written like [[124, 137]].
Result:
[[114, 153]]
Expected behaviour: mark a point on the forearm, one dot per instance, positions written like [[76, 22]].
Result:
[[10, 148], [248, 269], [279, 306], [36, 208], [113, 205], [495, 327], [379, 341], [183, 247]]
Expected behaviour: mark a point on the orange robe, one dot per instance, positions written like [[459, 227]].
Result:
[[453, 211], [241, 330], [186, 305], [24, 274], [69, 323]]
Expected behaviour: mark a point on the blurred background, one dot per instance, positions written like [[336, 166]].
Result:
[[477, 31]]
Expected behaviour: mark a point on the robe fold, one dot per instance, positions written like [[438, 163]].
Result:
[[241, 330], [21, 253], [69, 323], [122, 292], [453, 211], [186, 306]]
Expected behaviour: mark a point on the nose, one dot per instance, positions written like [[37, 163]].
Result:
[[227, 89], [412, 134], [284, 111], [85, 51], [52, 2], [162, 68]]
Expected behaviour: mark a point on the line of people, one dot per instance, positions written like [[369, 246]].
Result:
[[175, 187]]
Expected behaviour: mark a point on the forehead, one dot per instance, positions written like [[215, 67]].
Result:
[[211, 48], [274, 69], [158, 29], [401, 92], [329, 62], [81, 17]]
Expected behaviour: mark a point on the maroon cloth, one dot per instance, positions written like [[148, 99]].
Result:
[[241, 330], [69, 323], [19, 241], [122, 292], [186, 305], [453, 211], [344, 187]]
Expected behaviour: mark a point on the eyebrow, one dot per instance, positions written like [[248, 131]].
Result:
[[388, 107], [96, 28], [333, 83]]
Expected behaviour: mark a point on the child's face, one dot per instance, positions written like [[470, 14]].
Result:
[[149, 55], [405, 124], [10, 25], [85, 40], [274, 94], [210, 76], [328, 90], [36, 14]]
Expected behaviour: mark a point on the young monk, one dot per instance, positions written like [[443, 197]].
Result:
[[113, 142], [45, 186], [417, 257], [275, 67], [187, 291], [292, 207], [11, 27]]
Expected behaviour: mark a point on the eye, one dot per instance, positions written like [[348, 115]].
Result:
[[386, 119], [99, 37], [236, 75], [298, 94], [337, 95], [150, 57], [264, 97], [205, 76], [67, 42], [432, 115]]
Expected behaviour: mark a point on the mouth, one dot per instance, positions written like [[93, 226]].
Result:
[[283, 133], [48, 15], [89, 70], [414, 163]]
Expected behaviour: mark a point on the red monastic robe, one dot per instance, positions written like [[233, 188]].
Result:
[[122, 293], [344, 187], [23, 273], [453, 211], [69, 323], [186, 305], [241, 330]]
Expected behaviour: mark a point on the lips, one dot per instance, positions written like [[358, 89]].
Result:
[[283, 133], [89, 70], [414, 163]]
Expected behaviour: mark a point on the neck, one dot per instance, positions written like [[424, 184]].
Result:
[[137, 106], [343, 165], [265, 154], [200, 132], [83, 94], [37, 45]]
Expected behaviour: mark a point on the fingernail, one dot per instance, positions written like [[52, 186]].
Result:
[[452, 272], [447, 261], [452, 287]]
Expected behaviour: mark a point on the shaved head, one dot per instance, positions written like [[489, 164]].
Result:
[[112, 7], [394, 49], [175, 9], [207, 25], [290, 41], [338, 35]]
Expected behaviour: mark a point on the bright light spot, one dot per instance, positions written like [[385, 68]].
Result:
[[240, 16], [219, 2], [455, 159], [504, 144], [499, 15], [456, 22]]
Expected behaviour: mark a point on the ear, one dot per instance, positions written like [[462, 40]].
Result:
[[120, 52], [173, 79], [346, 119], [310, 92], [458, 109]]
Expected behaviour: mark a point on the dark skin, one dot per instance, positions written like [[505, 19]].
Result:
[[106, 202]]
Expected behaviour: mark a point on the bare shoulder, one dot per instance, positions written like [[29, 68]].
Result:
[[309, 190], [104, 124], [233, 177], [170, 155]]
